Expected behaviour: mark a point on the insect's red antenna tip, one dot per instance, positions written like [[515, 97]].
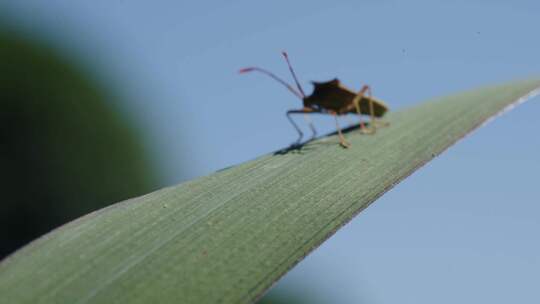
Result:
[[245, 70]]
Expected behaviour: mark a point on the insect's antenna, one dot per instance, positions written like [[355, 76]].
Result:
[[293, 73], [251, 69]]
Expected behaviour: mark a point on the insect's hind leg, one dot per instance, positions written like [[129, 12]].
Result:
[[372, 124]]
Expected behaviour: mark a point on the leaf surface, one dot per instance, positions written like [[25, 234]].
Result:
[[227, 237]]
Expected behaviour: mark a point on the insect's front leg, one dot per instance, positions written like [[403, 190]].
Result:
[[311, 126], [305, 111]]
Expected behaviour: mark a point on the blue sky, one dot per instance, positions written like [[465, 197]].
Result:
[[461, 229]]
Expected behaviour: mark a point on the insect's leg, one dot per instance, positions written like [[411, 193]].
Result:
[[365, 89], [311, 126], [342, 141], [372, 126], [356, 102], [304, 111]]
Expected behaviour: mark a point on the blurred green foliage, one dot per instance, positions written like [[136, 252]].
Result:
[[65, 149]]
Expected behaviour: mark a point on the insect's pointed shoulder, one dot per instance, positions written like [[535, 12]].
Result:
[[333, 85], [326, 84]]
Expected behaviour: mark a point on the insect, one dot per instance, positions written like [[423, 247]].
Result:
[[331, 97]]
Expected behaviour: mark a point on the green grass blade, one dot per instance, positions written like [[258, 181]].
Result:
[[228, 237]]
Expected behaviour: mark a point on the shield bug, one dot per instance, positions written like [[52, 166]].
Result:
[[331, 97]]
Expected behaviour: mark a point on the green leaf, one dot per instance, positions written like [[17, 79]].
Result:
[[227, 237]]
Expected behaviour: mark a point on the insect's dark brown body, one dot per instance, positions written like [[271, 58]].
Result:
[[332, 96]]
